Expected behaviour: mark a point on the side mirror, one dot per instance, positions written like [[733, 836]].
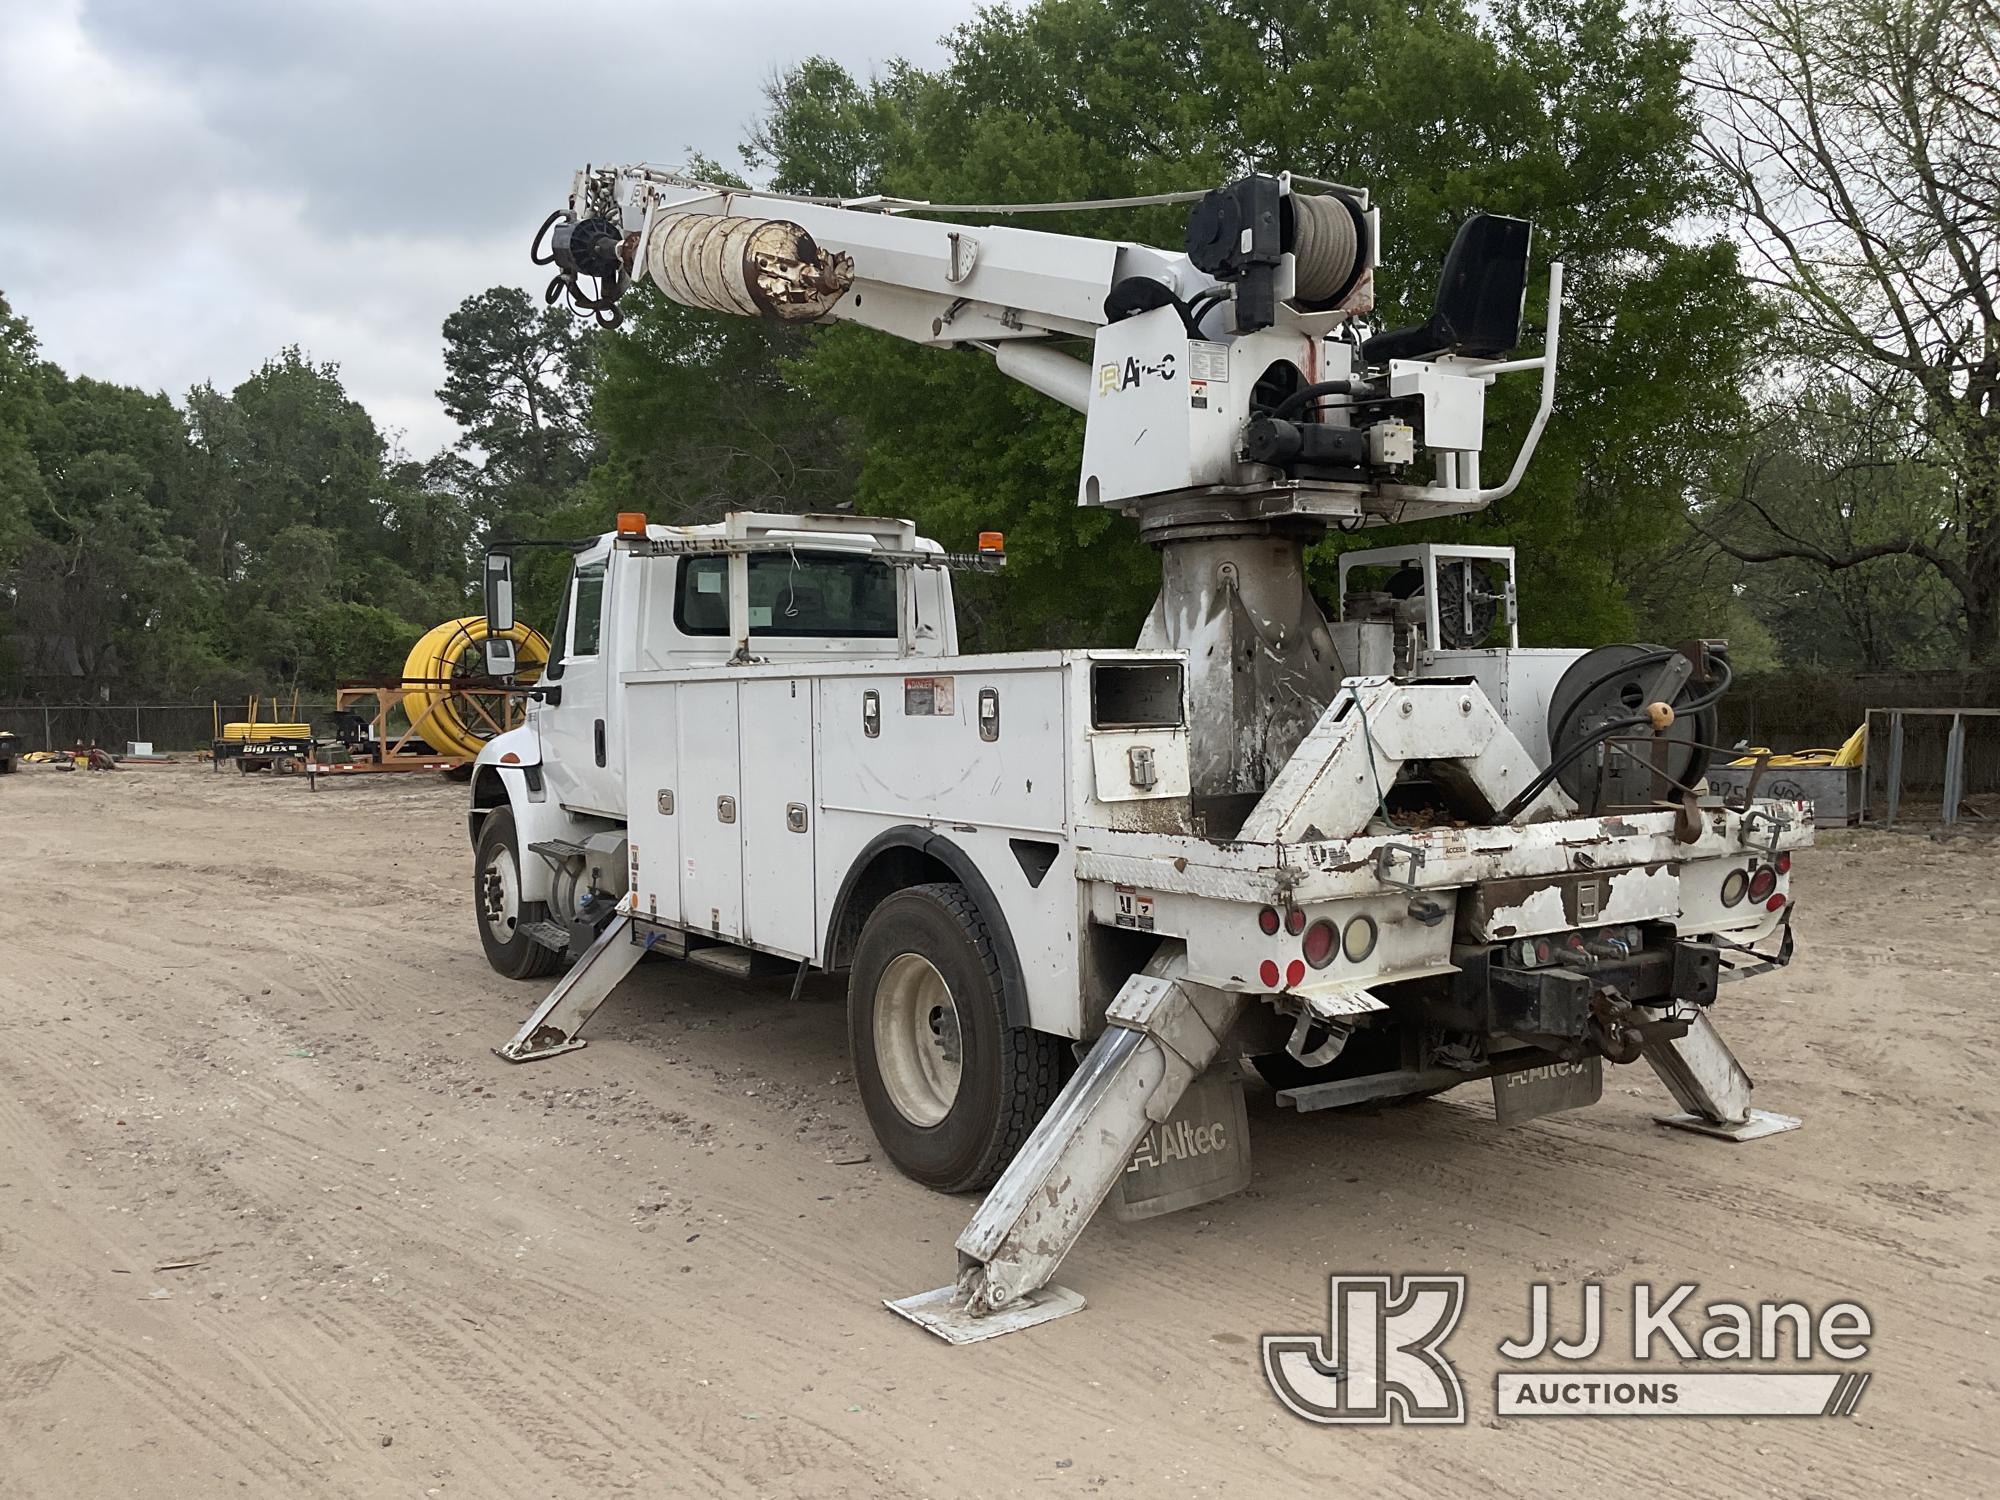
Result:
[[500, 661], [499, 593]]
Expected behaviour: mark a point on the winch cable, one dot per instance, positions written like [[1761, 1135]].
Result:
[[1325, 246]]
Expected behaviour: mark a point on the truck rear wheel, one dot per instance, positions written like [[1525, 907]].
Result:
[[951, 1088], [496, 900]]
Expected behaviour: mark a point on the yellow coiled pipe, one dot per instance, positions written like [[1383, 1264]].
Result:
[[1853, 752], [449, 715]]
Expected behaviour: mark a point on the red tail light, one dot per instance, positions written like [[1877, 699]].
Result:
[[1295, 974], [1322, 941], [1268, 920], [1268, 972], [1775, 903], [1763, 880], [1295, 921], [1784, 864]]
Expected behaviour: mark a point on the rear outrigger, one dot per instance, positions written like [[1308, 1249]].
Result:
[[1381, 855]]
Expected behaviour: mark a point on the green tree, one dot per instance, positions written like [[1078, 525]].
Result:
[[698, 416], [1861, 142], [518, 381], [258, 539], [1837, 470], [310, 454]]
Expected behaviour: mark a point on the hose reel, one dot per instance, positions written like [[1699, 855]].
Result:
[[1609, 696]]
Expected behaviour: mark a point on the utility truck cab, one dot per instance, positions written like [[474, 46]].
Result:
[[808, 588], [650, 598]]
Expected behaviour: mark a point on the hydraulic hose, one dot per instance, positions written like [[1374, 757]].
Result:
[[441, 682], [1569, 753]]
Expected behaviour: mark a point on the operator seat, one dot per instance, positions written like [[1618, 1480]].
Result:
[[1479, 298]]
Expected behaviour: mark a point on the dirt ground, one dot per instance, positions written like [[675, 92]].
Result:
[[274, 1220]]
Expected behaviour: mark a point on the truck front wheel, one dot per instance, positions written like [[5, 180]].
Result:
[[951, 1088], [496, 899]]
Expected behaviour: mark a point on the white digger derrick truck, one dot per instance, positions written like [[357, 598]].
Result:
[[1378, 855]]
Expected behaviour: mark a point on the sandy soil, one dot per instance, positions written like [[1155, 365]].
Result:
[[273, 1219]]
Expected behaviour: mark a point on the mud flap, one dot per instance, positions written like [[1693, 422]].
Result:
[[1199, 1153], [1530, 1093]]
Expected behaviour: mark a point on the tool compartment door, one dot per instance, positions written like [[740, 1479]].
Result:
[[655, 798], [710, 815], [778, 814]]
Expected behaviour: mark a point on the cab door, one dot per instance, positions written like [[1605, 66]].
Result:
[[579, 755]]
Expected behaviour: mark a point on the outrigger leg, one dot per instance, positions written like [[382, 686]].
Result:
[[1711, 1087], [553, 1027], [1162, 1032]]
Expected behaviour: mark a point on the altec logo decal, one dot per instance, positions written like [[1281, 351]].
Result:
[[1117, 377], [1383, 1357], [1178, 1140]]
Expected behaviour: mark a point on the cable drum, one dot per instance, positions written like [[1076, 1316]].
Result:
[[1612, 685], [443, 696], [1326, 244], [747, 267]]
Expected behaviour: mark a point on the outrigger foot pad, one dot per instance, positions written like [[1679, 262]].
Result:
[[943, 1312], [1753, 1127], [552, 1029]]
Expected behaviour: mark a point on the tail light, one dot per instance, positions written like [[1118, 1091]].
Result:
[[1359, 941], [1322, 942], [1268, 972], [1784, 863], [1733, 885], [1295, 921], [1267, 919], [1763, 881], [1531, 953]]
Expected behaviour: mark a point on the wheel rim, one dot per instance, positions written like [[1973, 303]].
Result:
[[500, 896], [918, 1042]]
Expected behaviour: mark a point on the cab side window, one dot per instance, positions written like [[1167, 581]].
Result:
[[586, 610], [561, 632]]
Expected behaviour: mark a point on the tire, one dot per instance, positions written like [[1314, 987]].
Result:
[[497, 904], [924, 975]]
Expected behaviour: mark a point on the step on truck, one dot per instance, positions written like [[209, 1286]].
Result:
[[1369, 847]]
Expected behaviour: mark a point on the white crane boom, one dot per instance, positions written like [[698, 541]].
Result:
[[1234, 401]]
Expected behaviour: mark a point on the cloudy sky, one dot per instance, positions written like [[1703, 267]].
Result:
[[188, 185]]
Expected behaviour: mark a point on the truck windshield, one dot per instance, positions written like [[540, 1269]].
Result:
[[791, 593]]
